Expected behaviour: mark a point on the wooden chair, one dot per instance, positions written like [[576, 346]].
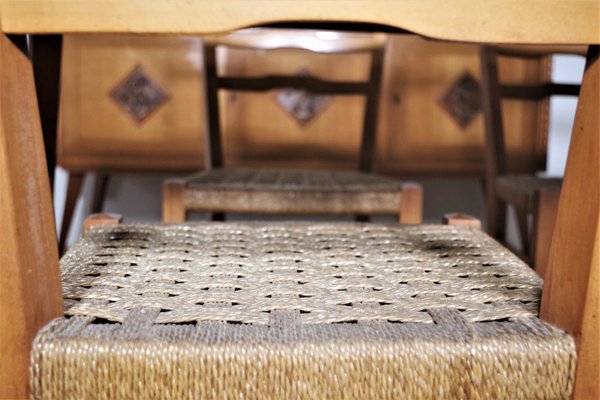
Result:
[[528, 193], [128, 104], [30, 283], [219, 189]]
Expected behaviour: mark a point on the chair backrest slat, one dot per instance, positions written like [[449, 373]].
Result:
[[314, 41], [310, 83], [538, 92]]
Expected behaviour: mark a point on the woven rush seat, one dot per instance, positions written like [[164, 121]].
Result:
[[298, 310], [521, 189], [291, 191]]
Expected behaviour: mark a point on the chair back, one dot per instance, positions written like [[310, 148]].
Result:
[[326, 42], [494, 91], [130, 103]]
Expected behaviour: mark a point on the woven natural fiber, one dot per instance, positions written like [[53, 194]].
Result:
[[298, 311], [521, 189], [291, 191]]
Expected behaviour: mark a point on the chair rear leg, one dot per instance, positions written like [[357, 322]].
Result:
[[217, 216], [544, 217], [523, 225], [173, 204], [73, 190], [362, 218], [100, 191], [495, 210], [410, 210]]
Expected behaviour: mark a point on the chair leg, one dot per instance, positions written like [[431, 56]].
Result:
[[523, 226], [544, 217], [73, 191], [495, 210], [100, 191], [217, 216], [410, 210], [173, 204]]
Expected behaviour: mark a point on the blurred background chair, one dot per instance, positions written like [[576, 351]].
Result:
[[128, 104], [533, 196], [429, 126], [220, 190]]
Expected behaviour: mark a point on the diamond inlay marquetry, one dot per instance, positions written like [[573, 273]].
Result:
[[138, 95], [462, 101], [302, 105]]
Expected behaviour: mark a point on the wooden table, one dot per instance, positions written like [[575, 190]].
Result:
[[30, 292]]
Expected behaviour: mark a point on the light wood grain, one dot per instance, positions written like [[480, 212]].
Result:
[[30, 292], [507, 21], [97, 134], [571, 291]]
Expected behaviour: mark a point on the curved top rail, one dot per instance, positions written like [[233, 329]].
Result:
[[491, 21], [312, 40]]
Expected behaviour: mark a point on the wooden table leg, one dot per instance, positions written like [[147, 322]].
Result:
[[571, 294], [30, 292]]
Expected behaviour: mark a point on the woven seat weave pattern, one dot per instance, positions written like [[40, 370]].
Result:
[[291, 191], [319, 270], [298, 311]]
